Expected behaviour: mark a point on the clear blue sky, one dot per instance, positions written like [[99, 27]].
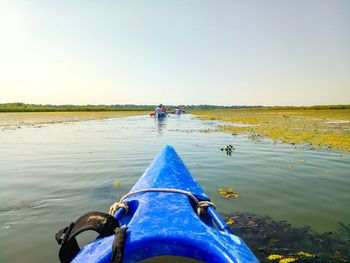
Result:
[[230, 52]]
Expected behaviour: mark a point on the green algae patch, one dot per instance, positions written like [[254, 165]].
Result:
[[16, 120], [322, 128]]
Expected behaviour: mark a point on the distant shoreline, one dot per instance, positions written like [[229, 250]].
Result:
[[22, 107]]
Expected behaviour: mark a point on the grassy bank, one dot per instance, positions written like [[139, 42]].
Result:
[[324, 127], [18, 119]]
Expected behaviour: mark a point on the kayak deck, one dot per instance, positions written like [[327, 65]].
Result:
[[166, 223]]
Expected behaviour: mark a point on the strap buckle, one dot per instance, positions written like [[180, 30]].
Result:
[[63, 234]]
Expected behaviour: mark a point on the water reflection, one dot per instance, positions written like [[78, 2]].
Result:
[[161, 124]]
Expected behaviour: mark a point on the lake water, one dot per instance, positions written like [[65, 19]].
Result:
[[53, 174]]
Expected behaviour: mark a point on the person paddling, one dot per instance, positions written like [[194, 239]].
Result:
[[159, 111], [177, 111], [164, 109]]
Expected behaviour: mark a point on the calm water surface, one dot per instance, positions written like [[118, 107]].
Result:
[[52, 175]]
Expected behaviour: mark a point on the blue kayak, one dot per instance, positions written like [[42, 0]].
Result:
[[167, 214]]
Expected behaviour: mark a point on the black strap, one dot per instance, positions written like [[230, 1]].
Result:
[[104, 224], [118, 245]]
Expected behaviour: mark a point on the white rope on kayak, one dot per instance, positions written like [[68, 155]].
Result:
[[200, 204], [117, 205], [165, 190]]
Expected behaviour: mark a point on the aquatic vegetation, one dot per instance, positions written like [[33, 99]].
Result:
[[15, 120], [255, 135], [274, 257], [287, 260], [230, 220], [208, 130], [226, 193], [229, 149], [278, 241], [116, 183], [345, 229], [251, 223], [304, 254], [321, 128]]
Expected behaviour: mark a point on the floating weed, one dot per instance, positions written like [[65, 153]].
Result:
[[296, 257], [208, 130], [226, 193], [275, 257], [255, 136], [230, 220], [304, 254], [287, 260], [290, 166], [116, 183], [229, 149], [300, 161]]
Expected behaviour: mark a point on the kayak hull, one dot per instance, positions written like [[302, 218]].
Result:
[[166, 223]]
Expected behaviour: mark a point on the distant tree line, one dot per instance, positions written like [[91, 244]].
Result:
[[315, 107], [22, 107]]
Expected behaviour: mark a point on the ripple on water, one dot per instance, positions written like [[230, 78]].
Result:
[[22, 205]]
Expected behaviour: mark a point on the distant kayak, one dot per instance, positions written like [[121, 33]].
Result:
[[159, 116], [166, 213]]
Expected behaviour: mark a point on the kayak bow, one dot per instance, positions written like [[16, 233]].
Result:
[[162, 220]]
